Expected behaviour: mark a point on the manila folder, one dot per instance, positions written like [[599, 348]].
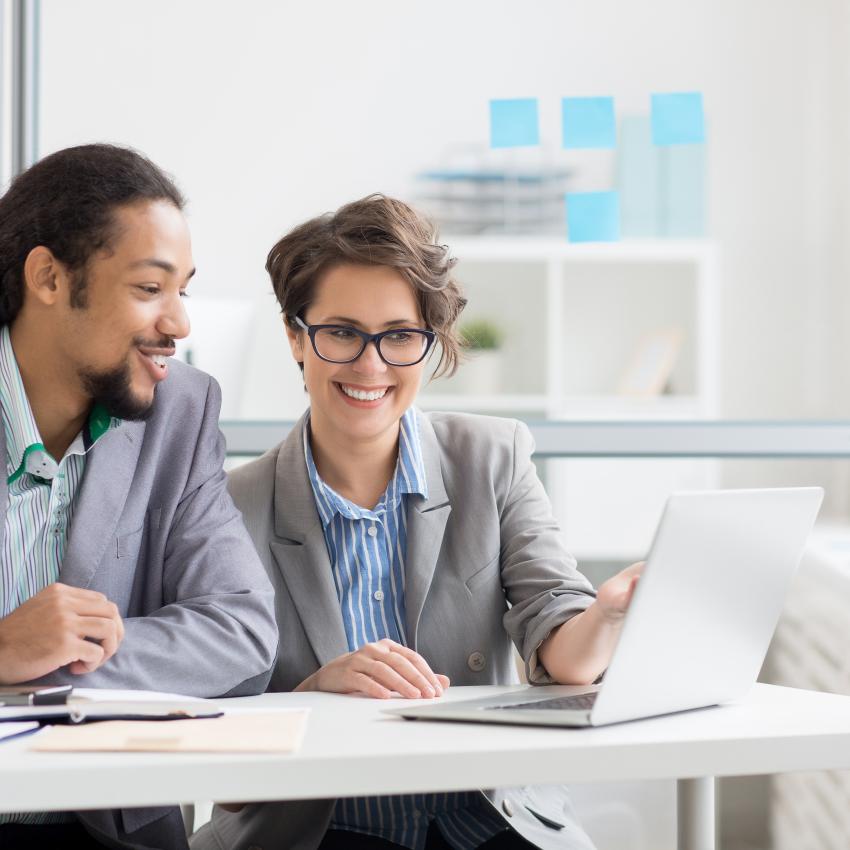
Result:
[[248, 732]]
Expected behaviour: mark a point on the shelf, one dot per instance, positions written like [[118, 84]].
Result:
[[518, 403], [626, 407], [509, 248], [497, 176], [568, 407], [501, 201]]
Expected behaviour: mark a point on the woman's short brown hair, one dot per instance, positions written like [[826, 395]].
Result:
[[375, 231]]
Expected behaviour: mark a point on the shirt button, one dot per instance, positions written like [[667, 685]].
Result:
[[507, 808], [476, 662], [371, 531], [379, 595]]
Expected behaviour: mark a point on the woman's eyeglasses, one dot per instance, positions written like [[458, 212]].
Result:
[[344, 344]]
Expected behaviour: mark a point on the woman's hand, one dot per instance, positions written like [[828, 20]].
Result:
[[579, 650], [614, 595], [377, 670]]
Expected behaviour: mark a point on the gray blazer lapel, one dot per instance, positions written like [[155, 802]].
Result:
[[110, 468], [426, 524], [301, 553]]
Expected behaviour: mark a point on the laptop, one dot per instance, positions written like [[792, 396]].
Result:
[[698, 626]]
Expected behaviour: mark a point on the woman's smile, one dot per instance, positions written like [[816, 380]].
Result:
[[363, 397]]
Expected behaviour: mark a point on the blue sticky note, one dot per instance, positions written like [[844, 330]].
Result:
[[588, 122], [677, 119], [514, 123], [593, 217]]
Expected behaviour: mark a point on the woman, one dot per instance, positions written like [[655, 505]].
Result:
[[407, 549]]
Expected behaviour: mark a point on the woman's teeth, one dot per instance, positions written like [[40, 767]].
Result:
[[362, 395]]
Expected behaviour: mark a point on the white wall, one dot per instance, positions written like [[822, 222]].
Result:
[[269, 112]]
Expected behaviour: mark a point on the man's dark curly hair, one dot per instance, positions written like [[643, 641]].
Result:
[[66, 203]]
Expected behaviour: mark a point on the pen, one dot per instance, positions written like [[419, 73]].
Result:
[[21, 733], [36, 696]]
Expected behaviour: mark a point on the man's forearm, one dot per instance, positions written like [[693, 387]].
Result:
[[190, 648]]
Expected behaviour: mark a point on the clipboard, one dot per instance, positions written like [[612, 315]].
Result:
[[89, 706]]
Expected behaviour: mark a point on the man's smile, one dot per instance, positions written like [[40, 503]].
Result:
[[156, 360]]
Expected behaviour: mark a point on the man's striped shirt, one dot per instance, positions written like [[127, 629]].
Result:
[[40, 506]]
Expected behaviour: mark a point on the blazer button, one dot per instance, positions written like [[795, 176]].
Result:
[[476, 662], [507, 807]]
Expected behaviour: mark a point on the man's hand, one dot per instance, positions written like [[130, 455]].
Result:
[[613, 596], [59, 626], [378, 669]]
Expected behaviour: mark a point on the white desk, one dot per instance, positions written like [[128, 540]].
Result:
[[351, 748]]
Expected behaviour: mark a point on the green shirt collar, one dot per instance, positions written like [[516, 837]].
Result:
[[99, 423], [21, 431]]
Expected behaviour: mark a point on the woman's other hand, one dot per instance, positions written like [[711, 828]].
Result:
[[377, 670]]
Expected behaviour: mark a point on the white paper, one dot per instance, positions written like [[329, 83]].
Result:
[[7, 730], [10, 712]]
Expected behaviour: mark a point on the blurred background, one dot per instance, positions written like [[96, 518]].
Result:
[[726, 297]]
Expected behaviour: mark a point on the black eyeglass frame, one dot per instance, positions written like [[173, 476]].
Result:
[[366, 338]]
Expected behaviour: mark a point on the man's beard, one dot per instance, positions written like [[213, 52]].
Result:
[[113, 388]]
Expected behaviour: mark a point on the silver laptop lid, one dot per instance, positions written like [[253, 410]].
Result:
[[708, 602]]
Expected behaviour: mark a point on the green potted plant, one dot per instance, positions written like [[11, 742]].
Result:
[[482, 370], [481, 335]]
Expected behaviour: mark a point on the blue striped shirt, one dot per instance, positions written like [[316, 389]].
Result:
[[367, 551]]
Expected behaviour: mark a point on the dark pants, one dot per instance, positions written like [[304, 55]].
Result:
[[67, 836], [337, 839]]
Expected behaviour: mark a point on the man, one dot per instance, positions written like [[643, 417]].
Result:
[[123, 561]]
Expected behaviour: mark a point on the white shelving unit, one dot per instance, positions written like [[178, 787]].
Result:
[[575, 319]]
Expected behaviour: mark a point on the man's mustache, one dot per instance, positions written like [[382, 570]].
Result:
[[162, 342]]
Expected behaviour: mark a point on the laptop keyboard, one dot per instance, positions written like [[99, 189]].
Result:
[[577, 702]]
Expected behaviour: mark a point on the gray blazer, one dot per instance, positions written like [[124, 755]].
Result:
[[486, 567], [155, 530]]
